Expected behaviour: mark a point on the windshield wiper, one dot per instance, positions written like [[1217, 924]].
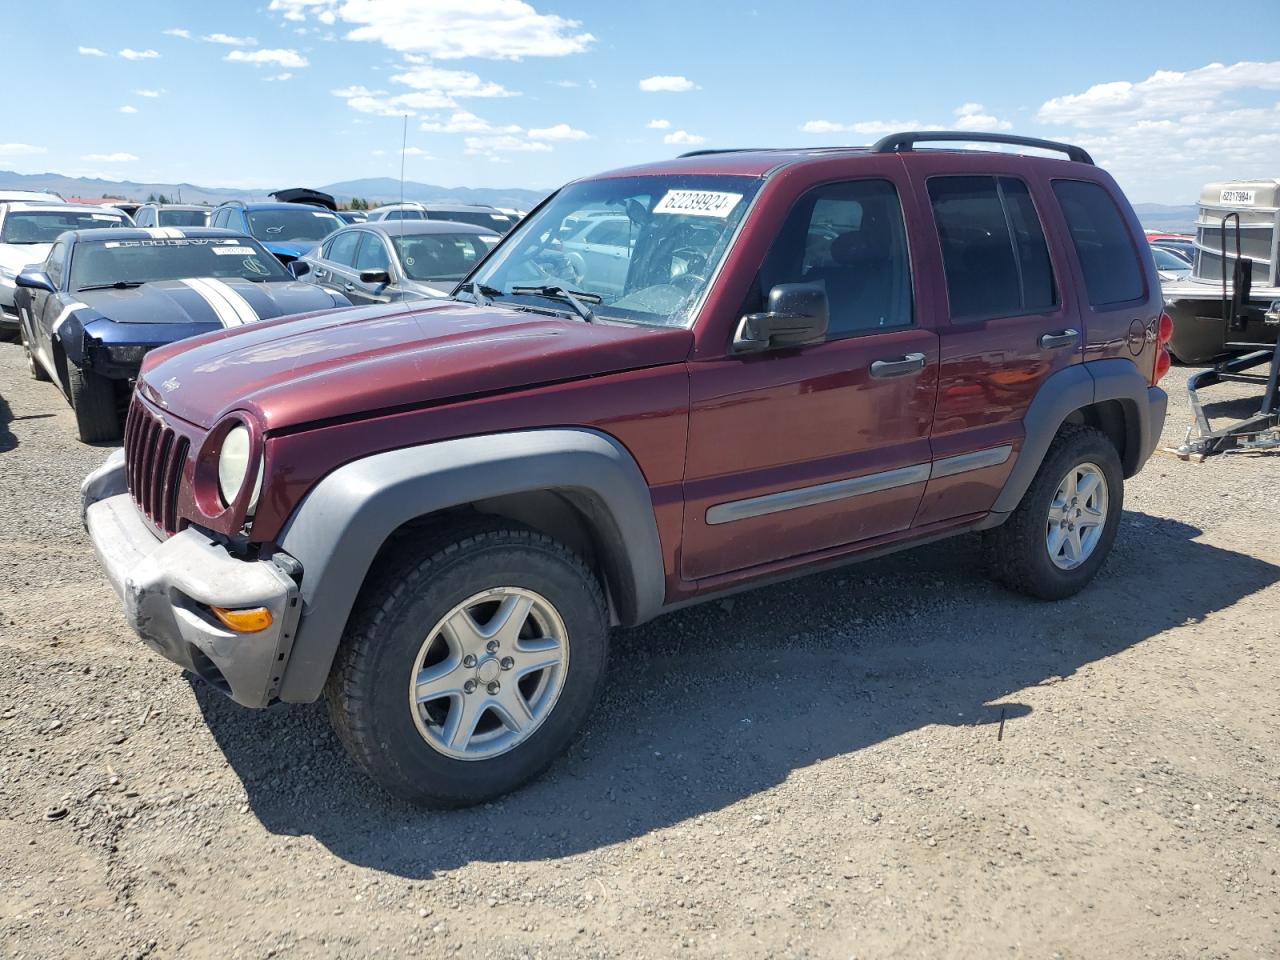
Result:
[[481, 293], [118, 285], [574, 298]]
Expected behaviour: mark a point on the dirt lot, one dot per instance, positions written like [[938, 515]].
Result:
[[894, 760]]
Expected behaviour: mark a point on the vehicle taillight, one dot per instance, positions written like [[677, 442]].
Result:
[[1164, 333]]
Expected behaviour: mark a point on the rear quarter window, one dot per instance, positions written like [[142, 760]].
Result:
[[1108, 256]]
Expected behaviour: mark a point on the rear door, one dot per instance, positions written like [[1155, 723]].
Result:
[[1006, 320], [336, 271], [799, 451]]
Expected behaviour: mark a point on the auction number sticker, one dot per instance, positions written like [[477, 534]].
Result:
[[233, 251], [698, 203], [1237, 196]]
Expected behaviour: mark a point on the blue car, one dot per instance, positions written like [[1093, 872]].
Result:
[[288, 230], [101, 299]]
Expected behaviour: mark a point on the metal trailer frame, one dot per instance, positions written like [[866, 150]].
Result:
[[1261, 431]]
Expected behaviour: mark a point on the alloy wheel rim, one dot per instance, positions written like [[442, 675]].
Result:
[[489, 673], [1077, 516]]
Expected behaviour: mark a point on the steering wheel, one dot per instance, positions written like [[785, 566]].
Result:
[[549, 267], [695, 263]]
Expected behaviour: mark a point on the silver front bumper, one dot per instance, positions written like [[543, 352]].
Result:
[[168, 586]]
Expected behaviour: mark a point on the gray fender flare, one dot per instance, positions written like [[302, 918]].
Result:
[[1072, 389], [342, 523]]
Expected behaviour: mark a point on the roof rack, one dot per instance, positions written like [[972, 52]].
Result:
[[904, 142]]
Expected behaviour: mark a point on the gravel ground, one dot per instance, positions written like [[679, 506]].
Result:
[[898, 759]]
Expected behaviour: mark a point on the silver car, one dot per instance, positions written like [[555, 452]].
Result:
[[401, 260]]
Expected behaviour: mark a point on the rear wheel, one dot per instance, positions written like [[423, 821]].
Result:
[[1060, 534], [469, 663], [93, 398]]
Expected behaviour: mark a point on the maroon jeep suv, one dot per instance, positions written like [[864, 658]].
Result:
[[668, 382]]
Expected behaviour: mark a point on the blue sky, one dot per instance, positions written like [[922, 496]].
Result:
[[510, 93]]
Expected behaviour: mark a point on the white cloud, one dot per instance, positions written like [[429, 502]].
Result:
[[129, 54], [448, 29], [91, 52], [455, 83], [974, 116], [659, 124], [230, 41], [148, 93], [561, 131], [683, 137], [464, 122], [504, 144], [1164, 136], [380, 103], [667, 84], [822, 126], [280, 76], [417, 152], [177, 32], [109, 157], [289, 59], [20, 150], [128, 109]]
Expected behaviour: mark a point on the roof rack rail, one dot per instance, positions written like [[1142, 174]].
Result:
[[903, 142]]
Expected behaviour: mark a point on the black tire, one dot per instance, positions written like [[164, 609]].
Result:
[[1017, 552], [412, 587], [34, 366], [93, 398]]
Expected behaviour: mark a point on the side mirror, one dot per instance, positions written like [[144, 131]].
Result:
[[35, 280], [299, 268], [798, 314], [374, 276]]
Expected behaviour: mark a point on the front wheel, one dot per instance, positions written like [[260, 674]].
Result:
[[93, 398], [1060, 534], [471, 660], [37, 371]]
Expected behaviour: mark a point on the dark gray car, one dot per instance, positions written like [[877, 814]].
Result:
[[400, 260]]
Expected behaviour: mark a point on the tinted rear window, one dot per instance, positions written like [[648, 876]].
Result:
[[1112, 273], [993, 248]]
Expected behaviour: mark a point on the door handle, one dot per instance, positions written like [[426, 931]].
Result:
[[348, 287], [897, 368], [1063, 338], [321, 274]]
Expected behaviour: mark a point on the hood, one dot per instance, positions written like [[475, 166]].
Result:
[[217, 303], [1167, 276], [349, 362], [15, 256]]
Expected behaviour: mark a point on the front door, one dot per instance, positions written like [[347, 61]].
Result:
[[801, 450], [373, 256]]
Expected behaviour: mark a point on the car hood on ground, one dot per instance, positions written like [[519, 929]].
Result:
[[204, 301], [351, 362], [293, 249], [15, 256]]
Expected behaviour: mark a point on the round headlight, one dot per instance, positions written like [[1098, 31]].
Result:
[[233, 465]]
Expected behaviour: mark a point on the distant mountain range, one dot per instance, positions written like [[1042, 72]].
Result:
[[1179, 218], [374, 189]]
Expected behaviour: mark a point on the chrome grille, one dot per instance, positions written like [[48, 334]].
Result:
[[154, 457]]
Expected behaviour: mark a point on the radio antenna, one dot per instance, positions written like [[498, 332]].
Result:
[[404, 143]]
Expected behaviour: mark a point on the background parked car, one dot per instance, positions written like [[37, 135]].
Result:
[[171, 215], [28, 196], [1169, 265], [28, 230], [403, 260], [1185, 247], [473, 213], [286, 229], [352, 216], [103, 298]]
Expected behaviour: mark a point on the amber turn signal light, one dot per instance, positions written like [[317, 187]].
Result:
[[244, 621]]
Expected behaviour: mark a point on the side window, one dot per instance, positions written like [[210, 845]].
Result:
[[143, 217], [610, 233], [343, 248], [55, 262], [993, 248], [1112, 273], [219, 219], [372, 255], [851, 238]]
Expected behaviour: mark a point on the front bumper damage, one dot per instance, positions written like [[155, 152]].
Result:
[[168, 586]]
